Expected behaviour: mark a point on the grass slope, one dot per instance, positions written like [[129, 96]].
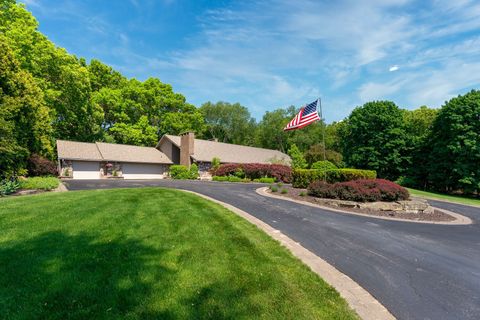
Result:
[[148, 253], [444, 197]]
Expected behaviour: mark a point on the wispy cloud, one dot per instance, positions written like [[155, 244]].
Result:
[[273, 53]]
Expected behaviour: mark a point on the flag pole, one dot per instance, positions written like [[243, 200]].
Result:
[[323, 138]]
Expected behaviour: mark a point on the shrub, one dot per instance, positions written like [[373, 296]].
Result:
[[274, 188], [302, 194], [265, 180], [193, 171], [8, 186], [39, 183], [255, 171], [219, 178], [215, 163], [229, 179], [239, 173], [284, 191], [40, 166], [359, 190], [321, 189], [182, 172], [301, 178], [323, 165]]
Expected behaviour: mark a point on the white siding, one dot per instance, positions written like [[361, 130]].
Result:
[[143, 171], [86, 170]]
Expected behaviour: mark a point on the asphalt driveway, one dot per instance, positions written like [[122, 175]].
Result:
[[417, 271]]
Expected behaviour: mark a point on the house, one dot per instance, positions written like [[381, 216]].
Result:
[[80, 160]]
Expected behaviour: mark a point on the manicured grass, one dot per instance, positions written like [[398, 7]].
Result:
[[39, 183], [148, 253], [445, 197]]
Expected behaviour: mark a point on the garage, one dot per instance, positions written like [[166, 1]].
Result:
[[143, 171], [81, 160], [86, 170]]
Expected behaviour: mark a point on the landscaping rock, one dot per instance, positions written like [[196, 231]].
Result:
[[429, 210], [414, 206], [337, 203], [381, 206]]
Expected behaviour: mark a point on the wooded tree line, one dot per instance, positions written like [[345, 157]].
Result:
[[48, 94]]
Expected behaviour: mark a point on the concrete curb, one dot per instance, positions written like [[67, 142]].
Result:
[[459, 219], [360, 300]]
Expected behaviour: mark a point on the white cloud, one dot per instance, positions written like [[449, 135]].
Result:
[[393, 68], [273, 53]]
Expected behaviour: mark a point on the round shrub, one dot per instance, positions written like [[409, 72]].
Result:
[[365, 190]]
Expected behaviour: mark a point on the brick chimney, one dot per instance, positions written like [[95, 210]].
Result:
[[187, 142]]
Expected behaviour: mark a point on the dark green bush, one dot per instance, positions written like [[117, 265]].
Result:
[[274, 188], [284, 191], [301, 178]]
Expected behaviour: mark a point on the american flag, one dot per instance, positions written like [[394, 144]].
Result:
[[308, 114]]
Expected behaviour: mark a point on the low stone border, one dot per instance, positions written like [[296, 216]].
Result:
[[360, 300], [459, 219]]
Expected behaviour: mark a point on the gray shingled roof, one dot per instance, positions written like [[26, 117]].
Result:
[[101, 151], [205, 151], [73, 150]]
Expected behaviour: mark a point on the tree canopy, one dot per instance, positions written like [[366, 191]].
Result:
[[375, 138]]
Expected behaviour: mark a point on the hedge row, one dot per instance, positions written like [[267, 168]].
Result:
[[359, 190], [254, 171], [301, 178]]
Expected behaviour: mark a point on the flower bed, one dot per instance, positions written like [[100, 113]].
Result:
[[415, 210]]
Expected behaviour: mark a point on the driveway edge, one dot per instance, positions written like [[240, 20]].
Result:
[[459, 219], [360, 300]]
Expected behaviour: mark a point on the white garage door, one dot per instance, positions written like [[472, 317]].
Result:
[[86, 170], [142, 171]]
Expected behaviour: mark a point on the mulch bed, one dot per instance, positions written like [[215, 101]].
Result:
[[436, 216]]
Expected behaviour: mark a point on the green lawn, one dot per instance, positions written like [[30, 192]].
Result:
[[148, 253], [445, 197]]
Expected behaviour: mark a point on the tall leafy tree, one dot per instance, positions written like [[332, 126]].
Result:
[[24, 119], [269, 132], [454, 158], [418, 126], [375, 138], [228, 122], [63, 79]]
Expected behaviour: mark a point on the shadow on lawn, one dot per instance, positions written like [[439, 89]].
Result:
[[60, 276]]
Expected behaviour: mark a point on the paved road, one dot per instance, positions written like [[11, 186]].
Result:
[[418, 271]]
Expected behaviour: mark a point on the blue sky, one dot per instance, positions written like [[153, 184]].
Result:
[[268, 54]]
